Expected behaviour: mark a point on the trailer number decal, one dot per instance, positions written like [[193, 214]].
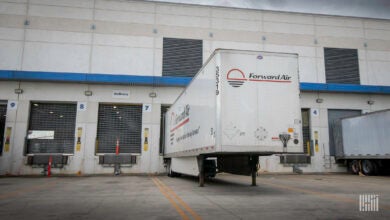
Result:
[[217, 80]]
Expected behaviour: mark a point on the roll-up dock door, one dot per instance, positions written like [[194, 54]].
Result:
[[119, 122], [51, 128], [3, 114]]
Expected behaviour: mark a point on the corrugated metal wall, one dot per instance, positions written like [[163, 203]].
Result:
[[122, 122], [341, 65], [57, 117], [182, 57]]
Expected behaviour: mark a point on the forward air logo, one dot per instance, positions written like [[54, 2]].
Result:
[[237, 78]]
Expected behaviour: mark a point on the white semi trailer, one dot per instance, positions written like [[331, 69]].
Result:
[[363, 142], [239, 106]]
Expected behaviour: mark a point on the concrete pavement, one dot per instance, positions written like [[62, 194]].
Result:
[[160, 197]]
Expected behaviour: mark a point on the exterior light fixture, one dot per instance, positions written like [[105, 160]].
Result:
[[152, 95], [370, 102], [319, 100], [88, 93], [18, 91]]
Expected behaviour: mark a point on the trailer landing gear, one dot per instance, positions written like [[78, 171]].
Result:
[[253, 163], [200, 159]]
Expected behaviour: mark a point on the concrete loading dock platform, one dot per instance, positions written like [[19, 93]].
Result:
[[332, 196]]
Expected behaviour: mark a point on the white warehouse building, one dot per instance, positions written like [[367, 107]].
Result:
[[79, 77]]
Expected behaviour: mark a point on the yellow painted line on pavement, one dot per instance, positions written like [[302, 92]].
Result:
[[175, 200], [181, 202], [170, 199]]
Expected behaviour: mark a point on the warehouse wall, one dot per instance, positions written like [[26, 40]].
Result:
[[125, 37], [84, 161]]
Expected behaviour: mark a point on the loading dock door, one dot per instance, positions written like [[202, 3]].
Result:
[[306, 131], [122, 122], [333, 116], [3, 113], [164, 109], [51, 128]]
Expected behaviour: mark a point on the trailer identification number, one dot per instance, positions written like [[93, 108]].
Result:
[[217, 80]]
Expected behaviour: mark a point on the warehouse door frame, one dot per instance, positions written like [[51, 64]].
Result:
[[3, 119]]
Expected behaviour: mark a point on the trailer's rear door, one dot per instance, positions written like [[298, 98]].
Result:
[[260, 101]]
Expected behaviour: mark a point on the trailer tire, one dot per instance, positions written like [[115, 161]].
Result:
[[354, 166], [369, 167]]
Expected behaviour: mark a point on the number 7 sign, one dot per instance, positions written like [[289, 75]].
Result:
[[147, 108]]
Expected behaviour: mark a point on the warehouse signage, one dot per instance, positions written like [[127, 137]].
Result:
[[13, 105], [38, 134], [120, 94], [81, 106]]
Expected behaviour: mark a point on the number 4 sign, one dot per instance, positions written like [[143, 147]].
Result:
[[315, 112], [147, 107]]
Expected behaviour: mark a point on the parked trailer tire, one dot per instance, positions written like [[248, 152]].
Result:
[[369, 167], [353, 166]]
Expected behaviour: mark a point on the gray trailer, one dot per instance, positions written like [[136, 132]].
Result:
[[363, 142]]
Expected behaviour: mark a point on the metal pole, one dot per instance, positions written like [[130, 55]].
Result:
[[253, 161], [201, 170], [49, 166], [117, 170]]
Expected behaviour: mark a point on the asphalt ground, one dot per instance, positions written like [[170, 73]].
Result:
[[290, 196]]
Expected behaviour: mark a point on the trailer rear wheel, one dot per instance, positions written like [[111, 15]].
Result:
[[369, 167], [354, 167]]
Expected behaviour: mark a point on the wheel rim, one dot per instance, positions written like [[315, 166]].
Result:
[[367, 167], [355, 166]]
